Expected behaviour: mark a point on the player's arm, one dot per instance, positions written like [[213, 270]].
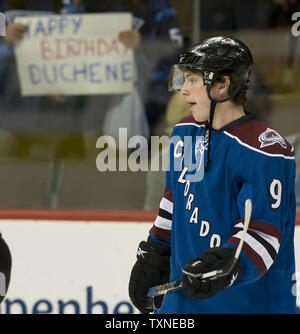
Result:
[[153, 257], [272, 191]]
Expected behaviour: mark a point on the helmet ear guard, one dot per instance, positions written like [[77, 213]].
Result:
[[209, 77]]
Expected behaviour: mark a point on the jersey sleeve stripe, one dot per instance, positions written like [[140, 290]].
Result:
[[258, 248], [268, 229], [271, 250], [258, 251], [160, 233], [274, 241], [163, 223], [251, 254], [168, 195], [262, 243], [166, 205], [165, 214], [162, 226]]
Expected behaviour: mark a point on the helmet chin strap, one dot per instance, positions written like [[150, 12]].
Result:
[[213, 103]]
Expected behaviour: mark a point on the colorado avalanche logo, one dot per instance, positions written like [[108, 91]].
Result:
[[200, 147], [271, 137], [196, 170]]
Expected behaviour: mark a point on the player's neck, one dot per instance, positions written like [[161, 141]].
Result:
[[226, 113]]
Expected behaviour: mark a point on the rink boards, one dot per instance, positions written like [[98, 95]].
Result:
[[76, 266]]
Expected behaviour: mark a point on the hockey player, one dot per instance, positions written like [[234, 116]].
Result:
[[219, 157]]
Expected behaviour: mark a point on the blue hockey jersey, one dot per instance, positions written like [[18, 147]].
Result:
[[202, 209]]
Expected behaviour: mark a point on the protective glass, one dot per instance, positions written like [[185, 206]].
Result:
[[181, 77]]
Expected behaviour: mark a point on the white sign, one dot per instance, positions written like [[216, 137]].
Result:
[[75, 55], [2, 24]]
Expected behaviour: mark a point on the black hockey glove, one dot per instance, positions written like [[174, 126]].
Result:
[[151, 268], [214, 259]]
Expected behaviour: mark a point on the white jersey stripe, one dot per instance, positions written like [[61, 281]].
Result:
[[167, 205], [163, 223], [273, 241], [194, 124], [258, 248]]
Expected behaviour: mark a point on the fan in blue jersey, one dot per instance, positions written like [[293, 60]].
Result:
[[219, 157]]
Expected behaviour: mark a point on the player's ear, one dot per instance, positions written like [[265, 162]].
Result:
[[223, 84], [222, 87]]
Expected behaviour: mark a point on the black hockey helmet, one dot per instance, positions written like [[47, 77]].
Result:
[[212, 57]]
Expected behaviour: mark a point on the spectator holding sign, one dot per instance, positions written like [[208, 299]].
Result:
[[154, 28], [153, 22], [23, 115]]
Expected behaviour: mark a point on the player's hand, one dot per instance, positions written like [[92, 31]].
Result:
[[214, 259], [151, 268], [130, 38], [15, 32]]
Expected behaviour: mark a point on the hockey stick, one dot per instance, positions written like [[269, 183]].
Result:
[[174, 285]]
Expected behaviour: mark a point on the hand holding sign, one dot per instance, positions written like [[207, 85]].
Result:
[[130, 38], [15, 32]]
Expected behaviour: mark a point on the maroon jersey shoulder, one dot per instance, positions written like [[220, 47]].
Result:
[[262, 137], [190, 119]]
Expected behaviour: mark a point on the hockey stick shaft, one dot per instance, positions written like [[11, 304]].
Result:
[[248, 210], [174, 285]]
